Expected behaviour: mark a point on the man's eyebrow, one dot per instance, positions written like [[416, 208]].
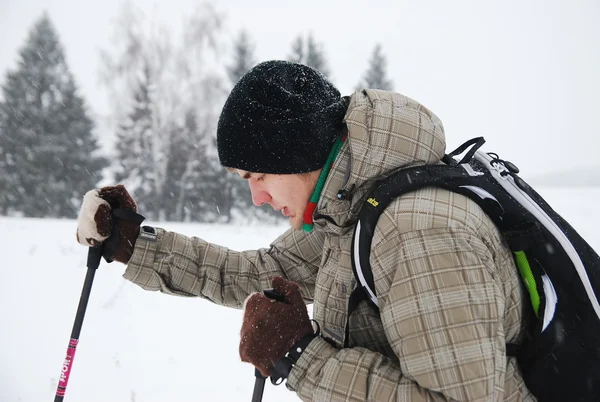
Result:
[[232, 170]]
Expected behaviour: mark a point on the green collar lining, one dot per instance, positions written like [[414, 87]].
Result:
[[314, 198]]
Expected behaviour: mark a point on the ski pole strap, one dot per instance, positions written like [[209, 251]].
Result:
[[128, 215], [284, 365], [112, 243]]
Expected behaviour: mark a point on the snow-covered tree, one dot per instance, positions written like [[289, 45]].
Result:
[[309, 52], [297, 54], [134, 144], [182, 94], [8, 196], [376, 74], [315, 56], [48, 149], [243, 57]]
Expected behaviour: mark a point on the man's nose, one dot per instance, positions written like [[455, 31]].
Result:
[[259, 195]]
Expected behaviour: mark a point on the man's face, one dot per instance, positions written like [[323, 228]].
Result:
[[288, 193]]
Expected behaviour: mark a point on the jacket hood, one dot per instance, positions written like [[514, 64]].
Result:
[[386, 131]]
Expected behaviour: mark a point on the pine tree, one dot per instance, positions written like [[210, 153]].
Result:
[[8, 195], [134, 147], [48, 148], [243, 58], [315, 57], [376, 75], [297, 54], [309, 53]]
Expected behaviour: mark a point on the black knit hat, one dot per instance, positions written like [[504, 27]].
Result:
[[281, 118]]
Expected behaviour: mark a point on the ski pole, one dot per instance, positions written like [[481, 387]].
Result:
[[259, 386], [93, 261]]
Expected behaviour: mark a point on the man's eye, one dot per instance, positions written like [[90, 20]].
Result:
[[260, 178]]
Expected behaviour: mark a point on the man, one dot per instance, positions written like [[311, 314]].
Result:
[[449, 294]]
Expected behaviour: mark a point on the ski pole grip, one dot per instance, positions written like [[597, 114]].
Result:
[[274, 295], [94, 256]]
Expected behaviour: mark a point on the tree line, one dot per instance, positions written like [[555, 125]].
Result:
[[165, 93]]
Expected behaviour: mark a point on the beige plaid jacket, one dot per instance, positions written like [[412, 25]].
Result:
[[448, 290]]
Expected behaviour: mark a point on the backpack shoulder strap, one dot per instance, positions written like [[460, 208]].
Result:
[[452, 175], [403, 181]]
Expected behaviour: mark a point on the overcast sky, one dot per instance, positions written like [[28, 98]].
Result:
[[524, 74]]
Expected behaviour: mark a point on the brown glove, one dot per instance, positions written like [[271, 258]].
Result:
[[95, 220], [271, 328]]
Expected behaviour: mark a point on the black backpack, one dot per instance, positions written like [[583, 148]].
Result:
[[560, 356]]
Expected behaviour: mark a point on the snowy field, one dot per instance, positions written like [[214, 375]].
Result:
[[139, 346]]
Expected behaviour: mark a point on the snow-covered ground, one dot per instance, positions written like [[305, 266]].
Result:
[[139, 346]]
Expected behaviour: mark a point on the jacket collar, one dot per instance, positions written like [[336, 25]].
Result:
[[386, 131]]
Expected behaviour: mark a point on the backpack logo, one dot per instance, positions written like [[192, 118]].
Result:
[[373, 201]]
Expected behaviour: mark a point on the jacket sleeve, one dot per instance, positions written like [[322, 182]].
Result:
[[442, 312], [189, 266]]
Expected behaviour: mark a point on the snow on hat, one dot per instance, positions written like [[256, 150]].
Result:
[[281, 118]]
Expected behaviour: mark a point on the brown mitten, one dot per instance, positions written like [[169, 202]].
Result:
[[95, 220], [271, 328]]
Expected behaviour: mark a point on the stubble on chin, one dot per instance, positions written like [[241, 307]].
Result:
[[296, 224]]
